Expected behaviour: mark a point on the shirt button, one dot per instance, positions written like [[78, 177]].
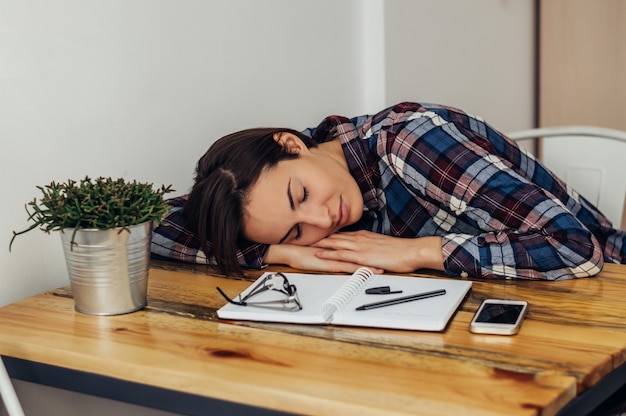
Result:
[[464, 275]]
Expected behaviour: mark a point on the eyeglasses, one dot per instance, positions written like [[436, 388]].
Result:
[[283, 294]]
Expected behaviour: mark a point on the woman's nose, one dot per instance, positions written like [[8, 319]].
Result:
[[317, 216]]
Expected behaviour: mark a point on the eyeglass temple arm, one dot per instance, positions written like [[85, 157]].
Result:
[[259, 287], [229, 299]]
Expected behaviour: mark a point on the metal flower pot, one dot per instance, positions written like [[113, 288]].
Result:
[[108, 269]]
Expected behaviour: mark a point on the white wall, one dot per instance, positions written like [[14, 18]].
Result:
[[476, 55], [140, 88]]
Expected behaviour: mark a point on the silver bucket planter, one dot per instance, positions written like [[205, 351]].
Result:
[[108, 269]]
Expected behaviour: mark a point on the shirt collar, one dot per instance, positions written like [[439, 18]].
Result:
[[356, 148]]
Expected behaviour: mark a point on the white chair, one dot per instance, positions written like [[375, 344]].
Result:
[[7, 393], [592, 160]]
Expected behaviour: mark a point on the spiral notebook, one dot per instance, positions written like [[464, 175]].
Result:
[[334, 299]]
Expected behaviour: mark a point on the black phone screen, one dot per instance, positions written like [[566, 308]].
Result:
[[499, 313]]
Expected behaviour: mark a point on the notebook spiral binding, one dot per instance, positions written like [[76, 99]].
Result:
[[346, 292]]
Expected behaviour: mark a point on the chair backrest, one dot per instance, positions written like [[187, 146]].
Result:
[[592, 160]]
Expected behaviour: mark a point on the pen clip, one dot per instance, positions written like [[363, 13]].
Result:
[[381, 290]]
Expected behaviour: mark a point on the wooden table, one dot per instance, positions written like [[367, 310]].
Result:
[[571, 349]]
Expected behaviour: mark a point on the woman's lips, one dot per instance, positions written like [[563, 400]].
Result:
[[343, 214]]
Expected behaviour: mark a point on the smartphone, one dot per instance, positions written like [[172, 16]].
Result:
[[499, 316]]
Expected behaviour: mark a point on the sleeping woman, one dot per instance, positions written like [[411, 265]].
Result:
[[412, 187]]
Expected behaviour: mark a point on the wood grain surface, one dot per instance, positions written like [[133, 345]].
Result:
[[574, 335]]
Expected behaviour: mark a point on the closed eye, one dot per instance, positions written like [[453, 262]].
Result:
[[305, 196], [297, 228]]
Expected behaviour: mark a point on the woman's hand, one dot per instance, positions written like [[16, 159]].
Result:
[[394, 254], [305, 258]]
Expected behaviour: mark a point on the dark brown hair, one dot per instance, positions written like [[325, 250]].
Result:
[[223, 178]]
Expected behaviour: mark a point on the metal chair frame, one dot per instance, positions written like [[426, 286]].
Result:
[[7, 393]]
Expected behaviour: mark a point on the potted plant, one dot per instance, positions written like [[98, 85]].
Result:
[[106, 231]]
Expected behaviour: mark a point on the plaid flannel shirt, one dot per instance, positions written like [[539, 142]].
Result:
[[431, 170]]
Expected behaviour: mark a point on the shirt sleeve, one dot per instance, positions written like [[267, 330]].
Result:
[[172, 240], [523, 231]]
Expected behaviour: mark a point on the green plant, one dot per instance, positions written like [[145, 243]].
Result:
[[102, 203]]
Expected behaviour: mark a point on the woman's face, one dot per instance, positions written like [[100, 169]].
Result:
[[300, 201]]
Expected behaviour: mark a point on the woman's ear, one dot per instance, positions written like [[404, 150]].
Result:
[[290, 142]]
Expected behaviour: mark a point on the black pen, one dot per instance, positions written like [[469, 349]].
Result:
[[403, 299]]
